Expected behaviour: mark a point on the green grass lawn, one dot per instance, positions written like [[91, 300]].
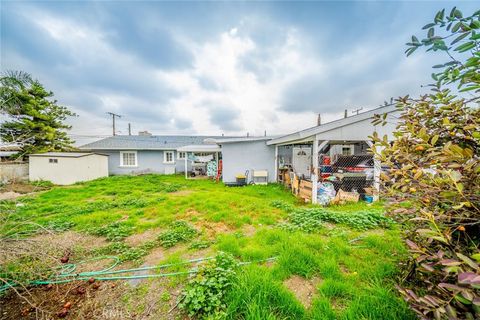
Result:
[[354, 268]]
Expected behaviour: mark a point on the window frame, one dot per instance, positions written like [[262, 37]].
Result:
[[122, 164], [165, 152], [179, 155]]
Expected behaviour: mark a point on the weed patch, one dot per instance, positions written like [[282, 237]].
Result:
[[200, 244], [204, 296], [311, 219], [179, 231], [114, 232]]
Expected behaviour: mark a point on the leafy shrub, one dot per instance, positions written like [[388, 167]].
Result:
[[123, 250], [114, 232], [204, 295], [171, 187], [179, 231], [310, 220], [437, 150], [200, 244], [282, 205]]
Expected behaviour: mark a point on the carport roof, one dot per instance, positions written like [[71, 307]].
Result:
[[308, 134]]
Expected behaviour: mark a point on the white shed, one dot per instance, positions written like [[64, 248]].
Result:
[[65, 168]]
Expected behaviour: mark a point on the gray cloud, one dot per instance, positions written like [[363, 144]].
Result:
[[226, 118]]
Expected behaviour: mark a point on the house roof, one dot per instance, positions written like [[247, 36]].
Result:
[[307, 134], [66, 154], [147, 142]]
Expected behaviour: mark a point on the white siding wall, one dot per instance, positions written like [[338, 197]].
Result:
[[241, 156], [68, 170]]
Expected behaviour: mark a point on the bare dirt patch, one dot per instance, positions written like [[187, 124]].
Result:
[[49, 247], [249, 230], [181, 193], [212, 229], [155, 256], [98, 300], [189, 214], [303, 289], [10, 195], [204, 253], [23, 188], [140, 238]]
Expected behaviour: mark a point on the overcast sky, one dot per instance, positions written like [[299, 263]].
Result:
[[216, 67]]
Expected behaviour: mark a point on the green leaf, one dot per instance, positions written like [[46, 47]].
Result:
[[475, 24], [460, 37], [439, 16], [466, 46], [431, 32], [456, 26], [470, 88], [458, 14], [476, 256], [428, 26]]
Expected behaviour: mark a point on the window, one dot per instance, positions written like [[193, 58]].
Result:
[[128, 158], [181, 155], [53, 160], [168, 157], [346, 151]]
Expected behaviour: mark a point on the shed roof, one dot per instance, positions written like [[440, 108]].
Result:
[[306, 134], [146, 142], [66, 154]]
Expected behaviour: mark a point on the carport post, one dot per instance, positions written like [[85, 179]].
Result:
[[315, 175], [275, 171], [186, 165], [377, 169], [314, 169]]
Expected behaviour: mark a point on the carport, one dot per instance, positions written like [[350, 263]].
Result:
[[351, 135], [208, 155]]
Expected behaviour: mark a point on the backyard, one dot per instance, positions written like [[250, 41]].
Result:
[[299, 261]]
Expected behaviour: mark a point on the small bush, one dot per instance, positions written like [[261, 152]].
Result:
[[124, 251], [114, 232], [200, 244], [310, 220], [204, 295], [179, 231]]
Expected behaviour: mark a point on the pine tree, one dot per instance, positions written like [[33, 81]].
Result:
[[33, 119]]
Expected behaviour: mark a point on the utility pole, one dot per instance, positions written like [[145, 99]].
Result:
[[319, 120], [113, 120], [129, 129]]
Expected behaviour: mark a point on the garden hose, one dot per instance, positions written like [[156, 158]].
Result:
[[66, 272]]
